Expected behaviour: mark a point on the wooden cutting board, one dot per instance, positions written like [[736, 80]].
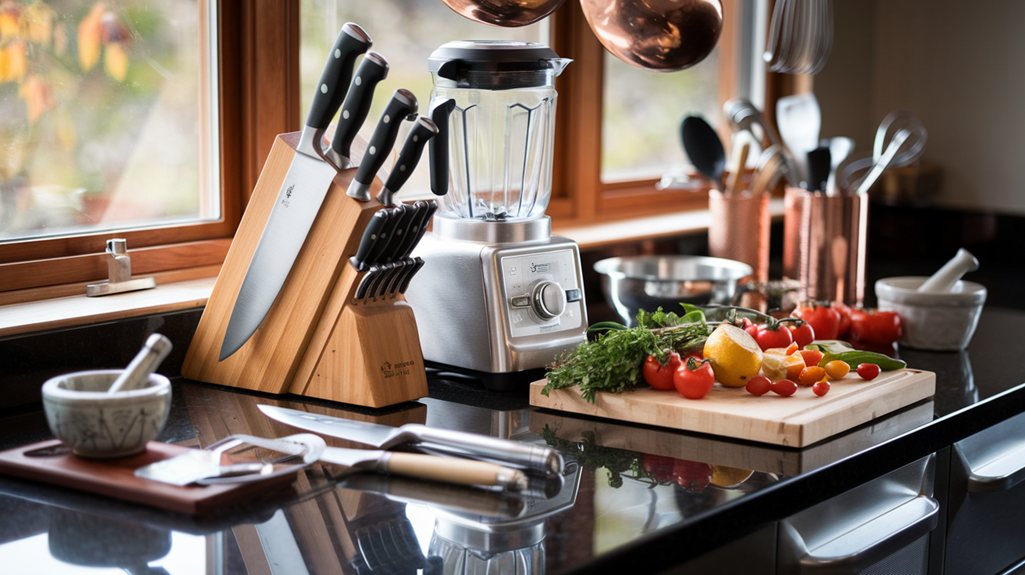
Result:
[[796, 421], [49, 463]]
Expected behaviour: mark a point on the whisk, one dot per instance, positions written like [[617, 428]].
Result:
[[800, 36]]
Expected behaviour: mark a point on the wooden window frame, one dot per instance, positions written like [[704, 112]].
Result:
[[258, 79]]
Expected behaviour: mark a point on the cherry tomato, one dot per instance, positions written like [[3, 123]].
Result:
[[803, 334], [794, 346], [694, 476], [758, 385], [875, 327], [769, 336], [660, 376], [837, 369], [820, 388], [784, 387], [823, 319], [845, 318], [868, 371], [810, 375], [694, 378], [658, 467], [811, 356]]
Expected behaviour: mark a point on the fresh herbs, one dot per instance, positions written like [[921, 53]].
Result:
[[614, 361]]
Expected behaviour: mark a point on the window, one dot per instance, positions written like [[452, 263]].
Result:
[[161, 138]]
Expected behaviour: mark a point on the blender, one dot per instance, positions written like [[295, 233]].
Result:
[[498, 296]]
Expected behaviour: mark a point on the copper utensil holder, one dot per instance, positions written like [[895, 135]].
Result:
[[831, 245], [739, 229]]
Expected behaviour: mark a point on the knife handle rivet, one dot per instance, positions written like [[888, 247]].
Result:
[[372, 150], [386, 119], [358, 81], [345, 114], [338, 53], [402, 168], [323, 88]]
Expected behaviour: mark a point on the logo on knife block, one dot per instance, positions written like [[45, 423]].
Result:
[[389, 370]]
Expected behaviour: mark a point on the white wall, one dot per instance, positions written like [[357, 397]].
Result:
[[960, 66]]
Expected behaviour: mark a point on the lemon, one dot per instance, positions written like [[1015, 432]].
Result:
[[776, 364], [723, 476], [734, 355]]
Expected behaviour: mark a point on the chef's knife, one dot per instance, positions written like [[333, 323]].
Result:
[[302, 192], [356, 106], [437, 153], [540, 458], [371, 233], [423, 130], [402, 105]]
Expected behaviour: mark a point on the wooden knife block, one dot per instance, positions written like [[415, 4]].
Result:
[[316, 340]]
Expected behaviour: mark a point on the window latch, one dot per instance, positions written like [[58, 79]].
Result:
[[119, 272]]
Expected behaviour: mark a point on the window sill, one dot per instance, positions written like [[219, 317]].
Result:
[[72, 311]]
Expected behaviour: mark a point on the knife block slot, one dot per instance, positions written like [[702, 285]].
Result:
[[315, 340]]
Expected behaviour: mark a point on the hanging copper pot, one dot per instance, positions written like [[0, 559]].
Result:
[[505, 13], [663, 35]]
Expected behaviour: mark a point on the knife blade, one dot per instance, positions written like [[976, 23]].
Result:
[[299, 199], [437, 153], [356, 106], [423, 130], [402, 105], [539, 458]]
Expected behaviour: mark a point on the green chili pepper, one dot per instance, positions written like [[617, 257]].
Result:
[[857, 357]]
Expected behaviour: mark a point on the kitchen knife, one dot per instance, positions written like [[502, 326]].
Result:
[[423, 130], [437, 153], [378, 248], [418, 209], [302, 192], [402, 105], [375, 226], [392, 270], [409, 275], [399, 229], [377, 277], [425, 219], [539, 458], [356, 106]]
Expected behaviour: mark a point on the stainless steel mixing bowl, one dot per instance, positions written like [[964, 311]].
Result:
[[634, 283]]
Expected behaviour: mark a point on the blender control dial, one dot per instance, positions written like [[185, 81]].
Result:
[[548, 299]]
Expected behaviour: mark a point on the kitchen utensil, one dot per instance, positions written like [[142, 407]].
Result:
[[209, 466], [819, 167], [800, 36], [144, 363], [939, 321], [743, 115], [902, 140], [402, 105], [355, 107], [97, 424], [423, 130], [768, 170], [704, 148], [530, 456], [663, 36], [853, 171], [299, 198], [633, 283], [739, 169], [831, 245], [948, 275], [506, 13], [496, 280], [799, 120], [840, 148]]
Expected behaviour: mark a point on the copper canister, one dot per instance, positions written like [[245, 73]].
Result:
[[792, 199], [739, 229], [832, 243]]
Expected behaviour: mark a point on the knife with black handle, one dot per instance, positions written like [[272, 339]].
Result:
[[370, 234], [418, 209], [402, 105], [423, 130], [379, 247], [437, 153], [432, 207], [418, 263], [399, 230], [352, 41], [356, 106]]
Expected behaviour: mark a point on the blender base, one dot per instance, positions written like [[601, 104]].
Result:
[[504, 382]]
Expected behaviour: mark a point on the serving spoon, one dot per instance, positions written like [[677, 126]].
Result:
[[704, 148]]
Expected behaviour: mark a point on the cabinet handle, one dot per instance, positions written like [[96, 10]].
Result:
[[1000, 473], [875, 539]]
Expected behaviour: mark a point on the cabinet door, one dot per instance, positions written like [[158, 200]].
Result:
[[882, 526], [752, 554], [985, 530]]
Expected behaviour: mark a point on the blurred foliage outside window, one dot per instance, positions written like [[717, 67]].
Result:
[[100, 117]]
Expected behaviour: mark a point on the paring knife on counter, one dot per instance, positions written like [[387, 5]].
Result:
[[423, 130], [355, 107], [303, 191], [403, 105], [535, 457]]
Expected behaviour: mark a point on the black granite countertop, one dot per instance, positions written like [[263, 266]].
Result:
[[632, 497]]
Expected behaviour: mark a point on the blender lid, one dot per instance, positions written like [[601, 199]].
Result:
[[496, 64]]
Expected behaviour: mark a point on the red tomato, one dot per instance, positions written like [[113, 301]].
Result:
[[658, 467], [784, 387], [758, 385], [875, 327], [694, 379], [694, 476], [845, 318], [803, 334], [769, 336], [868, 371], [820, 388], [660, 376], [823, 319]]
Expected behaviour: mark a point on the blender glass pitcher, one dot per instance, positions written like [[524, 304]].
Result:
[[494, 156]]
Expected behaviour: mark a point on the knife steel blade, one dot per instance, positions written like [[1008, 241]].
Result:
[[356, 106], [403, 104], [305, 185], [536, 457], [423, 130]]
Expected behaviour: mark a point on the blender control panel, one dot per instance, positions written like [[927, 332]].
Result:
[[542, 292]]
